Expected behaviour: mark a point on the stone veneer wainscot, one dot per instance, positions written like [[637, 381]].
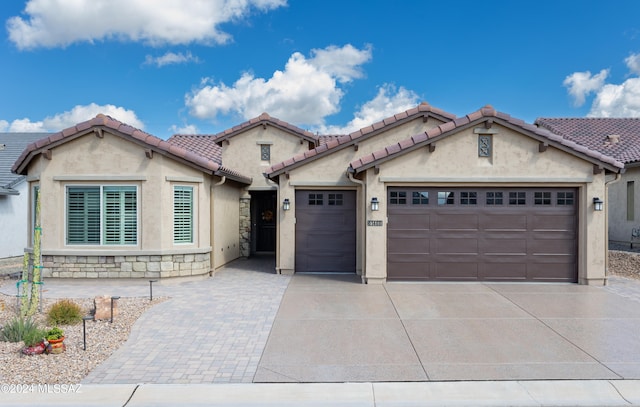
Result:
[[140, 266]]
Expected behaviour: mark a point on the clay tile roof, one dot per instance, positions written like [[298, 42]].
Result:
[[614, 137], [203, 145], [488, 112], [423, 109], [265, 119], [204, 162]]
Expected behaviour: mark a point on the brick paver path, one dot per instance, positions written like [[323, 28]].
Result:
[[218, 330]]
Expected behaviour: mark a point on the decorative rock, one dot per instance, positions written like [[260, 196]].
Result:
[[103, 307]]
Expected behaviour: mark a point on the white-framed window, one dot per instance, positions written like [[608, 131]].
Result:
[[182, 214], [102, 215]]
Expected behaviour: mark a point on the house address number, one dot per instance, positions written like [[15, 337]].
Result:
[[374, 223]]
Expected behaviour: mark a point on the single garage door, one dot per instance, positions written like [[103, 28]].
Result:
[[483, 234], [325, 231]]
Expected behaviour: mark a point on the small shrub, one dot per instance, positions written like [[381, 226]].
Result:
[[33, 337], [19, 329], [54, 333], [64, 312]]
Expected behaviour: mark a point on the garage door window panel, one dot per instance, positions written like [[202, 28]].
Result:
[[420, 198], [468, 198], [398, 198], [494, 198], [565, 198], [517, 198], [542, 198], [446, 198]]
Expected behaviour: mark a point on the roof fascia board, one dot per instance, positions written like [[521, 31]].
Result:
[[263, 123]]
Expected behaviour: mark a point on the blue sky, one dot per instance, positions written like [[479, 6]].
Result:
[[177, 66]]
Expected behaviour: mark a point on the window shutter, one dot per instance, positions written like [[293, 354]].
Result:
[[83, 215], [120, 215], [183, 214]]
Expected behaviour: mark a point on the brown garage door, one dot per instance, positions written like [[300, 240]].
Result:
[[487, 234], [326, 231]]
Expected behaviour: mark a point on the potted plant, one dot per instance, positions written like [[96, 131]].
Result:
[[55, 340], [34, 342]]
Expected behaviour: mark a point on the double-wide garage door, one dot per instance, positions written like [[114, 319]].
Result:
[[493, 234], [325, 231]]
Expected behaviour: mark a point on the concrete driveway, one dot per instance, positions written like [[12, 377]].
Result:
[[334, 329]]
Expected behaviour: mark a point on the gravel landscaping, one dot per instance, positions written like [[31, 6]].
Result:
[[70, 367]]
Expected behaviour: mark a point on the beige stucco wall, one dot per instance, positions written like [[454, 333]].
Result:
[[515, 161], [620, 227], [226, 215], [112, 160], [330, 172], [242, 152]]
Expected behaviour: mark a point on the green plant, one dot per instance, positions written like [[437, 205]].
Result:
[[33, 337], [19, 329], [54, 333], [64, 312]]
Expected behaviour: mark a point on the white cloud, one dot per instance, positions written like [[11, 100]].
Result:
[[72, 117], [386, 103], [581, 84], [4, 125], [171, 58], [186, 129], [611, 100], [633, 63], [618, 100], [58, 23], [305, 92]]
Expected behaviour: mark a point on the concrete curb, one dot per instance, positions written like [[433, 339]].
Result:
[[490, 393]]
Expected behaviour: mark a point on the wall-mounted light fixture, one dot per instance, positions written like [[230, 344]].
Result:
[[375, 204], [286, 204], [598, 204]]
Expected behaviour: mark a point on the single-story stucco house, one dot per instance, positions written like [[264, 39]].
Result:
[[620, 139], [14, 194], [421, 195]]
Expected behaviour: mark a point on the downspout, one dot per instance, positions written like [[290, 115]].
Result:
[[363, 248], [606, 226], [211, 229]]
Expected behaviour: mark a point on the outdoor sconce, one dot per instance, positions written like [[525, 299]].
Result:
[[375, 205], [597, 204], [286, 204]]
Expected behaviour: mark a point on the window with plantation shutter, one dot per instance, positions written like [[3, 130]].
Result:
[[102, 215], [182, 214], [83, 215], [120, 216]]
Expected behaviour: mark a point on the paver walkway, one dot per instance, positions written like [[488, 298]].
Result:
[[211, 331]]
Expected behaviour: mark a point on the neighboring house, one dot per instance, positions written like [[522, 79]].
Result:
[[427, 196], [14, 194], [118, 202], [620, 139]]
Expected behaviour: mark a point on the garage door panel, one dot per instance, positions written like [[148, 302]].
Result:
[[503, 222], [411, 221], [505, 234], [503, 246], [409, 271], [456, 246], [456, 271], [550, 273], [458, 221], [507, 271], [541, 222], [409, 246]]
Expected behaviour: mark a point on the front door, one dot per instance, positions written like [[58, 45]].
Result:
[[264, 221]]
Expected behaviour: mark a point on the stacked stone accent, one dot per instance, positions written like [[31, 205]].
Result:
[[176, 265], [245, 226]]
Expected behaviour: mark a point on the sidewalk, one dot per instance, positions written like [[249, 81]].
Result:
[[502, 393]]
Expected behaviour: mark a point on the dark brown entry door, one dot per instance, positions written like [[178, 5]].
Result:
[[325, 231], [264, 221], [486, 234]]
